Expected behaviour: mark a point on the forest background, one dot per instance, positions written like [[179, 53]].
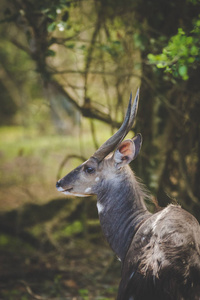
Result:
[[66, 72]]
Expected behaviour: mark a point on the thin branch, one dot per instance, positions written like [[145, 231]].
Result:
[[93, 134], [81, 72], [10, 85], [90, 50], [61, 41], [65, 160], [87, 111], [20, 46], [30, 292]]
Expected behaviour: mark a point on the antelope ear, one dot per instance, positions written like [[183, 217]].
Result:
[[137, 140], [128, 150]]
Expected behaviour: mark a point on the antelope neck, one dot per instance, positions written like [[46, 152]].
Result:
[[121, 211]]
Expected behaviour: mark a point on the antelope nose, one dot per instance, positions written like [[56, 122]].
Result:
[[58, 186]]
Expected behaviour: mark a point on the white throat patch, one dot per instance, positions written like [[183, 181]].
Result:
[[87, 190], [100, 207]]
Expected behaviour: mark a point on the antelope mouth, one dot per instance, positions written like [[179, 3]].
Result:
[[67, 190], [70, 191], [62, 190]]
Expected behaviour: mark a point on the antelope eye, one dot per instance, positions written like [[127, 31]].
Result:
[[89, 170]]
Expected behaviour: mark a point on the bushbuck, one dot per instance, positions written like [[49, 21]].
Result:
[[160, 252]]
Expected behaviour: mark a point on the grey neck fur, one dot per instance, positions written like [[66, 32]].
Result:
[[122, 209]]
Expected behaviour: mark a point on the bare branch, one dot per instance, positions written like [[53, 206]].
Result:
[[96, 72], [20, 46], [93, 134], [30, 292], [91, 49], [88, 110], [65, 160]]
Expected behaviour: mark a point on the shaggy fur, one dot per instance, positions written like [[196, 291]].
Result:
[[163, 260]]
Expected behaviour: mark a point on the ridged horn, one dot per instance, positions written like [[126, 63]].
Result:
[[117, 138]]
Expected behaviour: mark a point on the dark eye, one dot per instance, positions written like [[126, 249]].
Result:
[[89, 170]]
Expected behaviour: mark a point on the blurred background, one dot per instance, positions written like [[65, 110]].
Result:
[[66, 72]]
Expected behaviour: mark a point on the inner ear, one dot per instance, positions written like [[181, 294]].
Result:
[[124, 153], [126, 148]]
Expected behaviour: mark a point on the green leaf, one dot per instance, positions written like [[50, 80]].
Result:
[[161, 65], [74, 228], [151, 57], [50, 53], [194, 50], [70, 46], [182, 71], [51, 27]]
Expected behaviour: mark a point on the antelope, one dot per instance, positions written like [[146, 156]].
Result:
[[159, 252]]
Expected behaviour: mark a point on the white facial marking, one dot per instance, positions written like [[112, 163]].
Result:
[[60, 189], [100, 207], [74, 194], [97, 179], [87, 190]]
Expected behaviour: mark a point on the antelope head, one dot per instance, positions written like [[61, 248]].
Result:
[[107, 162]]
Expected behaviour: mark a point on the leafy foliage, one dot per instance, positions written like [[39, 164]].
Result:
[[181, 54]]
